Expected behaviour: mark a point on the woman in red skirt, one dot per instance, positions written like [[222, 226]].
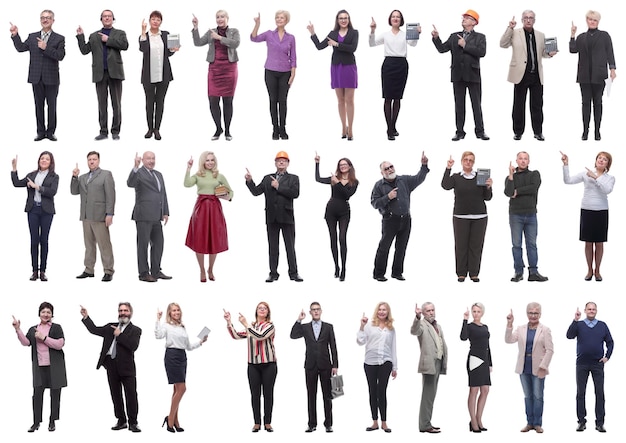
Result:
[[207, 232]]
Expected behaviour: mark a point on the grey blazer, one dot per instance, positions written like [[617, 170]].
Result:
[[150, 202], [97, 196], [231, 41], [427, 337], [117, 42]]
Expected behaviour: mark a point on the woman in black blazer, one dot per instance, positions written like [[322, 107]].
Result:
[[344, 40], [41, 185], [46, 342], [156, 73]]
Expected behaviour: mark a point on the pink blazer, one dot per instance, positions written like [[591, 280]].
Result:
[[543, 348]]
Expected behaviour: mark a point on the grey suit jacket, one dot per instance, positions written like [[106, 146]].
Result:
[[97, 196], [519, 59], [117, 42], [150, 202], [231, 41], [44, 64], [427, 337]]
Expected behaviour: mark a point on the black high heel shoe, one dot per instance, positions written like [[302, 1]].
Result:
[[34, 427], [178, 428], [471, 429], [217, 134], [165, 423]]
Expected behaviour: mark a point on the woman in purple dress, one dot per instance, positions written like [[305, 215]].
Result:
[[222, 79], [344, 40]]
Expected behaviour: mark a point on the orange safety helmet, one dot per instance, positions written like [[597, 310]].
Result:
[[472, 14], [282, 154]]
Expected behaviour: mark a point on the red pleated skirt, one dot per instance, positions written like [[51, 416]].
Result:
[[207, 232]]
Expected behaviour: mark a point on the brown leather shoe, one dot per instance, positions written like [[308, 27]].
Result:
[[538, 429], [527, 428], [148, 278]]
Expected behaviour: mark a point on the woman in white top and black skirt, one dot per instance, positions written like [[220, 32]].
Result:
[[176, 342], [395, 69]]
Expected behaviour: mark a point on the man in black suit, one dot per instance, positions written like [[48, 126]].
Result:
[[150, 209], [467, 48], [121, 340], [320, 362], [107, 70], [47, 49], [280, 189]]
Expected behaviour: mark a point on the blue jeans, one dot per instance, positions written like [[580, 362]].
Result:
[[39, 223], [533, 398], [524, 224]]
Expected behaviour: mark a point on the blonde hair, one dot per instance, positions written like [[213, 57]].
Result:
[[593, 14], [222, 11], [389, 322], [268, 318], [467, 154], [168, 318], [285, 13], [202, 170]]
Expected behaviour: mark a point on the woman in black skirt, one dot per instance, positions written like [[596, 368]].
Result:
[[395, 68], [176, 342], [594, 212], [478, 365]]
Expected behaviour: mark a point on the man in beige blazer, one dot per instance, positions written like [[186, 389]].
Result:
[[433, 361], [97, 205], [526, 72], [532, 364]]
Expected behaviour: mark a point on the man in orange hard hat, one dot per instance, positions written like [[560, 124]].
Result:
[[280, 189]]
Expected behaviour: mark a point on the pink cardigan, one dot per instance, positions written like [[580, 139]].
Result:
[[543, 348]]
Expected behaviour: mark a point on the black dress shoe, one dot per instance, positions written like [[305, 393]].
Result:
[[268, 428], [147, 278], [296, 278], [34, 427], [398, 277], [283, 136], [255, 429], [107, 277], [600, 428], [368, 429], [310, 429], [149, 133], [387, 430], [228, 137], [134, 428], [597, 136], [42, 276], [581, 427], [396, 133], [52, 137], [380, 278], [275, 135], [391, 137], [482, 136], [537, 277], [162, 276], [39, 138], [271, 278], [84, 275], [474, 279], [157, 134], [458, 137], [585, 136], [329, 429], [432, 430], [101, 137], [119, 425], [517, 278], [517, 137], [34, 276], [117, 137], [51, 426], [540, 137]]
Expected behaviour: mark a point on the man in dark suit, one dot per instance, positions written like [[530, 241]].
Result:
[[47, 49], [107, 70], [97, 205], [280, 189], [467, 48], [320, 362], [150, 209], [121, 340]]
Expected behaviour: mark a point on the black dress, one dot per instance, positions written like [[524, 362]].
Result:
[[479, 357], [337, 207]]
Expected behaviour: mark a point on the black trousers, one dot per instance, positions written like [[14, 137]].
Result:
[[596, 369], [155, 100], [530, 82], [113, 87], [149, 235], [592, 93], [277, 84], [116, 383], [39, 223], [377, 380], [289, 238], [55, 397], [261, 378], [312, 376], [469, 238], [45, 94], [475, 93], [398, 228]]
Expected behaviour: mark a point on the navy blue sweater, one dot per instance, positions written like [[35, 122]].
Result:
[[590, 344]]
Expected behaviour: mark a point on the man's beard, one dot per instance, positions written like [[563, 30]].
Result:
[[391, 176], [123, 320]]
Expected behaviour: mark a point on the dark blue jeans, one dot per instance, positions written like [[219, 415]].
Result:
[[582, 375], [39, 223], [524, 224]]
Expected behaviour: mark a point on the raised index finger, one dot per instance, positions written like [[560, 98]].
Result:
[[434, 27]]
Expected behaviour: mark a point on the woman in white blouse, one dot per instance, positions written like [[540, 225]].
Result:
[[395, 69], [176, 342], [379, 338], [594, 212]]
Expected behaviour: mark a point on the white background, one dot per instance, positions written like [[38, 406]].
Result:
[[217, 402]]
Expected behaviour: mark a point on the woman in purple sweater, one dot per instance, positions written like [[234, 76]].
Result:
[[280, 68], [469, 218]]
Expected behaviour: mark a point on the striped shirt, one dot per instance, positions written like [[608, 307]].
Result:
[[260, 342]]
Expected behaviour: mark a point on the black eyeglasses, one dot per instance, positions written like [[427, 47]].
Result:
[[388, 168]]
